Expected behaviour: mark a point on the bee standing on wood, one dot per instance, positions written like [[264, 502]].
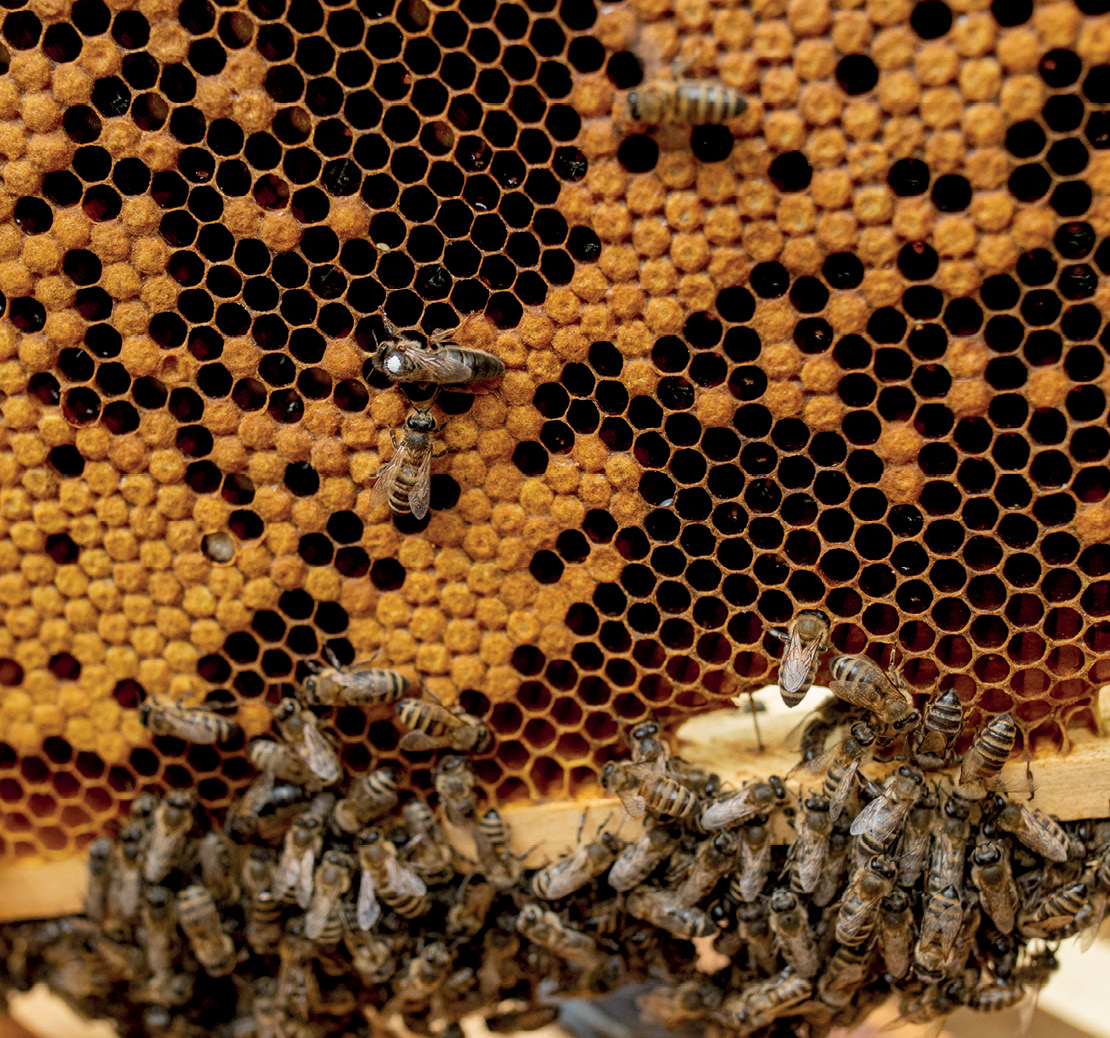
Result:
[[402, 359], [405, 481], [193, 724], [988, 753]]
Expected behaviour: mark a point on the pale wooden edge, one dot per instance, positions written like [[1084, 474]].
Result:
[[724, 741]]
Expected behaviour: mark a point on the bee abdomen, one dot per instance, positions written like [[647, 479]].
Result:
[[997, 740], [409, 906], [709, 103], [482, 365]]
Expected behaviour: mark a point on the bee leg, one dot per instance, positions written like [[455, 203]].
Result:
[[393, 439], [1029, 780]]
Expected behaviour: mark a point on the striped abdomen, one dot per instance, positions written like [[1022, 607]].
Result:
[[708, 103]]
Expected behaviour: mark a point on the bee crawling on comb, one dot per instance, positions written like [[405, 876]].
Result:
[[402, 359]]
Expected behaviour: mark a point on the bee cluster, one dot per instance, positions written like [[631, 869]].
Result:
[[323, 906]]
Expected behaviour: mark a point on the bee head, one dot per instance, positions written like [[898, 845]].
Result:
[[863, 733], [421, 421], [181, 799], [634, 104], [782, 901], [987, 854], [284, 710], [896, 900], [310, 685], [145, 710], [778, 786], [883, 866], [907, 723]]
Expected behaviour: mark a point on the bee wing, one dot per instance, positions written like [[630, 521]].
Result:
[[1090, 932], [403, 880], [754, 872], [421, 494], [843, 791], [871, 820], [810, 859], [647, 770], [797, 661], [387, 476], [1042, 836], [815, 765], [634, 805], [319, 755], [441, 367], [318, 912], [304, 879], [368, 911], [419, 741]]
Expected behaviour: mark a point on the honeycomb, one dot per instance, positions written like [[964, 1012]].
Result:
[[846, 352]]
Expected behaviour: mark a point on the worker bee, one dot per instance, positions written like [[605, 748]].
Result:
[[983, 761], [1040, 833], [298, 990], [265, 811], [100, 875], [640, 858], [356, 685], [265, 922], [993, 878], [159, 929], [193, 724], [370, 796], [467, 916], [423, 976], [808, 851], [297, 865], [755, 798], [332, 881], [645, 786], [301, 730], [895, 932], [836, 862], [429, 854], [661, 909], [675, 1006], [661, 101], [454, 782], [855, 921], [940, 925], [755, 860], [793, 934], [842, 977], [715, 857], [200, 922], [933, 1002], [882, 819], [946, 863], [1053, 913], [943, 720], [372, 956], [218, 861], [861, 681], [545, 928], [501, 866], [279, 762], [435, 726], [840, 764], [573, 871], [402, 359], [762, 1002], [806, 638], [405, 481], [142, 809], [172, 820], [754, 927], [917, 835], [125, 888], [385, 877]]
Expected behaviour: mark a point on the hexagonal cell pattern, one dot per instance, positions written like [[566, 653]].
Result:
[[848, 351]]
